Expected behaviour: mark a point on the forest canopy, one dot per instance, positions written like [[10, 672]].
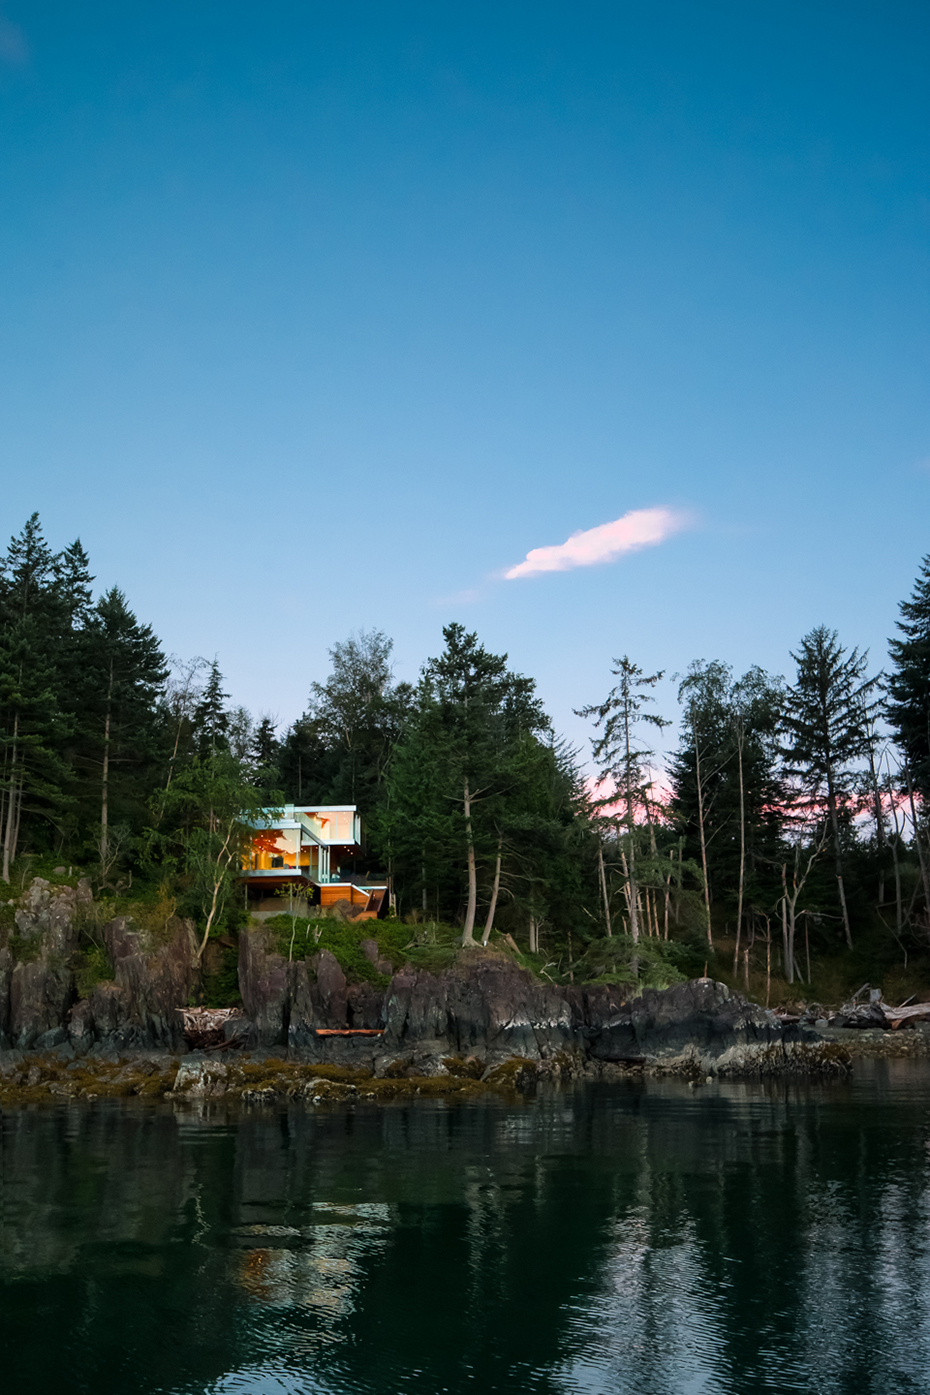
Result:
[[788, 825]]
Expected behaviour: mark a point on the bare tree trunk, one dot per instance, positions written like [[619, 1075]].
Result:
[[895, 842], [668, 892], [6, 792], [634, 893], [917, 839], [700, 797], [742, 849], [489, 923], [785, 957], [837, 856], [791, 902], [534, 935], [219, 879], [603, 878], [879, 814], [105, 776], [631, 895], [12, 820], [468, 937]]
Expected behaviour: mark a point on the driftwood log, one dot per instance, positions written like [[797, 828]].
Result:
[[205, 1028]]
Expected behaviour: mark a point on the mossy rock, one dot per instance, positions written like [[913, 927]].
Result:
[[467, 1067], [513, 1074]]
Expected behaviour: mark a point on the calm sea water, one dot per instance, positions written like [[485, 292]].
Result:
[[631, 1238]]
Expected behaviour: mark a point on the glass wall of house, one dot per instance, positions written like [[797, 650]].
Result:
[[288, 849], [332, 825]]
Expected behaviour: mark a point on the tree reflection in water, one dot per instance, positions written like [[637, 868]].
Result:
[[642, 1237]]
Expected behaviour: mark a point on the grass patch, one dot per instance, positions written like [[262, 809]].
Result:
[[429, 947]]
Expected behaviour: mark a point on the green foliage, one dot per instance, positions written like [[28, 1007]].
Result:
[[429, 947], [91, 966], [649, 963], [909, 681], [203, 828], [467, 798], [25, 949], [461, 778], [220, 978], [725, 772]]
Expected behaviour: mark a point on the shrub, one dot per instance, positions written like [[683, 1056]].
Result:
[[91, 966], [647, 964]]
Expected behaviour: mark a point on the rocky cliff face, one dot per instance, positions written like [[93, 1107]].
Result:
[[39, 1004], [488, 1008], [484, 1010]]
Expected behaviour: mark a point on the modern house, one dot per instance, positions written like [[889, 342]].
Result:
[[300, 851]]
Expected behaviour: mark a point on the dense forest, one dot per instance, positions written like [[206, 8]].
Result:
[[784, 842]]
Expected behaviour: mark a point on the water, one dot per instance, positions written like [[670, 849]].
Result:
[[643, 1238]]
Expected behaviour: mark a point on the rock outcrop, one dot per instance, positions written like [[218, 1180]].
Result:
[[486, 1007], [39, 1004], [37, 983], [699, 1027], [485, 1010], [138, 1009]]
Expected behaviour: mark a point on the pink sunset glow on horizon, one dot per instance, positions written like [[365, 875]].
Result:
[[605, 543]]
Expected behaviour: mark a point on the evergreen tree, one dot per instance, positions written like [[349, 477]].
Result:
[[623, 767], [698, 770], [124, 671], [74, 584], [543, 842], [827, 725], [33, 733], [32, 728], [29, 574], [909, 682], [725, 791], [211, 719], [307, 769], [264, 754], [455, 758], [265, 745]]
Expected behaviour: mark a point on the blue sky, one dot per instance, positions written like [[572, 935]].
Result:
[[318, 316]]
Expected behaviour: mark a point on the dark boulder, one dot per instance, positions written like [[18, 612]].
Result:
[[484, 1005], [701, 1024]]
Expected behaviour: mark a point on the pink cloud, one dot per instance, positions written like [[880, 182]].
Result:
[[607, 542]]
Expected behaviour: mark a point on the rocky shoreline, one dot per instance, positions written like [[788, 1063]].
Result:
[[463, 1029]]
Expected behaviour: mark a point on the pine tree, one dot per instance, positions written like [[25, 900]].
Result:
[[211, 719], [263, 755], [724, 782], [454, 760], [307, 769], [32, 772], [908, 705], [124, 671], [826, 722], [74, 583], [623, 766]]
